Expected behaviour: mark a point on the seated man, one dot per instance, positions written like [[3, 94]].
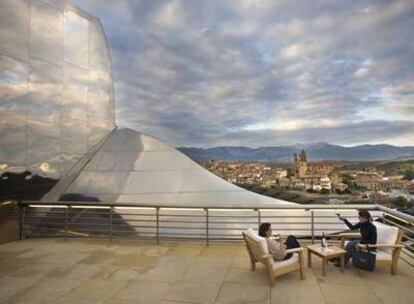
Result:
[[368, 233]]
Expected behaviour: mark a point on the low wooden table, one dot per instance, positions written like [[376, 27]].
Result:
[[326, 254]]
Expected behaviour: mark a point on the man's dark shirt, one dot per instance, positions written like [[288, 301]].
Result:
[[368, 231]]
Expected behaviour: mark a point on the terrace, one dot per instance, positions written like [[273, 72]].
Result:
[[73, 265]]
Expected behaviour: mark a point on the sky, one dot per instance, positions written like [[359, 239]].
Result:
[[262, 72]]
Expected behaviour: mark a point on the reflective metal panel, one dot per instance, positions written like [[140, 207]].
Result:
[[98, 50], [154, 182], [155, 173], [43, 151], [13, 91], [14, 28], [12, 156], [45, 91], [45, 72], [97, 129], [130, 140], [67, 160], [46, 32], [74, 138], [98, 94], [149, 198], [74, 94], [58, 4], [89, 183], [162, 160], [112, 161], [76, 39]]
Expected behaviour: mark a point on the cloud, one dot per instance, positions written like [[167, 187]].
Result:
[[263, 72]]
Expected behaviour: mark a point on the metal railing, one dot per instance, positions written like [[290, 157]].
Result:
[[80, 219]]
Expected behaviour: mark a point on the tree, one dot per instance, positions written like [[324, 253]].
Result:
[[325, 191], [400, 202], [409, 174]]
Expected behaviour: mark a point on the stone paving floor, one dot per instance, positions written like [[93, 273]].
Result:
[[57, 271]]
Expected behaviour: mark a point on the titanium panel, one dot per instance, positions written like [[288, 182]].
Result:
[[12, 156], [76, 39], [43, 150], [46, 59], [155, 173], [14, 29], [45, 91], [13, 91], [74, 94], [73, 138], [57, 4], [46, 33], [98, 50]]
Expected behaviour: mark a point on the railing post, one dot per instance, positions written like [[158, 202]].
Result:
[[313, 226], [111, 210], [207, 224], [66, 221], [20, 219], [259, 219], [158, 225]]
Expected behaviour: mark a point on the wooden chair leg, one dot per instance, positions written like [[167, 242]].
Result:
[[270, 274], [301, 266], [252, 265], [394, 262], [394, 267], [271, 280]]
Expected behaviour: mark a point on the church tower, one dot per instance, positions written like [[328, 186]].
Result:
[[300, 164]]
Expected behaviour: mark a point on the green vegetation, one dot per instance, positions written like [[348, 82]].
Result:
[[296, 196], [401, 202], [387, 167], [325, 191], [409, 174], [359, 202]]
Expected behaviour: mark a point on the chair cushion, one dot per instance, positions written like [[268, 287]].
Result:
[[386, 235], [280, 264], [383, 255], [257, 238]]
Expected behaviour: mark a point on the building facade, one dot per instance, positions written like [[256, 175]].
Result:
[[56, 91]]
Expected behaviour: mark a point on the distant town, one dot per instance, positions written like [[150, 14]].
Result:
[[303, 181]]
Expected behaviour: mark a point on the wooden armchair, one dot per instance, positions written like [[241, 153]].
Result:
[[259, 252], [388, 245]]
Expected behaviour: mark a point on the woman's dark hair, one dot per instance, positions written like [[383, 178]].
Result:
[[365, 214], [264, 227]]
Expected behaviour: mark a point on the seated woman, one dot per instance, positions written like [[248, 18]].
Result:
[[277, 246], [366, 228]]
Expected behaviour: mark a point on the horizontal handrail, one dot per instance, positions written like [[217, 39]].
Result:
[[211, 207], [288, 207]]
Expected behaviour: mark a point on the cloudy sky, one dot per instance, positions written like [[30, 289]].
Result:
[[263, 72]]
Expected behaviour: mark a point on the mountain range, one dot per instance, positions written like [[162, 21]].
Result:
[[315, 152]]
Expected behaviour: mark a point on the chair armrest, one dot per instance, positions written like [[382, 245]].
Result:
[[381, 246], [295, 250], [350, 235], [266, 256]]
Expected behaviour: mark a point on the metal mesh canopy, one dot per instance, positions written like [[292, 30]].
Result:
[[132, 167]]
